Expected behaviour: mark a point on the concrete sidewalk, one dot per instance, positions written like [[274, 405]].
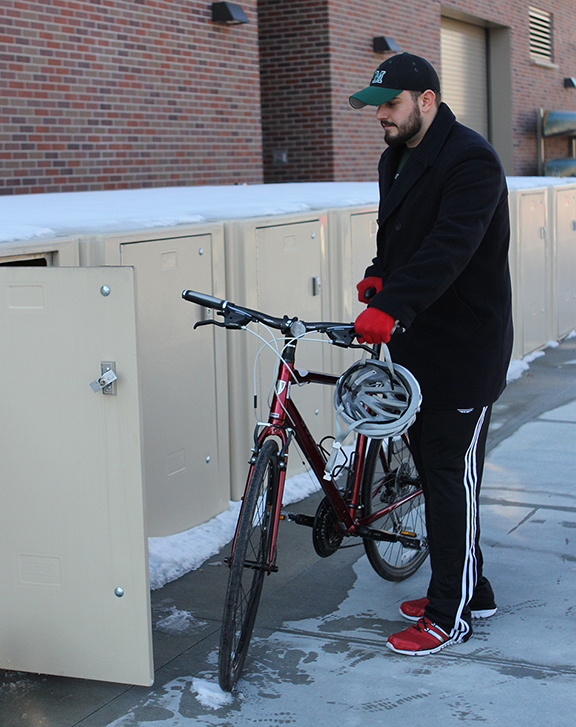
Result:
[[318, 655]]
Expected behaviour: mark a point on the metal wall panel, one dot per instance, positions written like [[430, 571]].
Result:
[[352, 246], [72, 530], [278, 266], [562, 204], [531, 260], [183, 376], [184, 372]]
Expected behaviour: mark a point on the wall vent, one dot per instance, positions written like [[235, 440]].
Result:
[[540, 34]]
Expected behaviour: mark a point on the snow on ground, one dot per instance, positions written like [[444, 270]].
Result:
[[174, 555], [210, 695], [177, 622], [518, 366]]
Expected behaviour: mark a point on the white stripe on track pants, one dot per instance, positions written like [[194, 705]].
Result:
[[448, 448]]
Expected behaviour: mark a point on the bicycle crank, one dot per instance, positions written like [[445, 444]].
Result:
[[326, 535]]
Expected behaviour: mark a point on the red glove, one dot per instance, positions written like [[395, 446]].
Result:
[[364, 285], [374, 326]]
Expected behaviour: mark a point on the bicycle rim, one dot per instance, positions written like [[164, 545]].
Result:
[[245, 581], [389, 476]]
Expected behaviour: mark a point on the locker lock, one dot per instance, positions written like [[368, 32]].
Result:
[[106, 382]]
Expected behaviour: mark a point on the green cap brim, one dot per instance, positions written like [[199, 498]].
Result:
[[372, 96]]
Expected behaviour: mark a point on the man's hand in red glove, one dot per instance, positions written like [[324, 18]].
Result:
[[374, 326], [365, 285]]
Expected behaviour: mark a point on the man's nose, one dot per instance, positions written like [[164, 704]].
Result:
[[381, 113]]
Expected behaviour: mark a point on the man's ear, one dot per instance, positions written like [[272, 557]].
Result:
[[428, 100]]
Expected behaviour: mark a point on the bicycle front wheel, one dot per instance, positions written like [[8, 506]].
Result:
[[248, 565], [390, 476]]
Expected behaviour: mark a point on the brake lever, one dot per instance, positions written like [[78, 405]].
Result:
[[344, 336], [232, 319], [363, 346], [209, 322], [341, 336]]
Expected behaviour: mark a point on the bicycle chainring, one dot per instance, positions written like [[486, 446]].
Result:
[[326, 535]]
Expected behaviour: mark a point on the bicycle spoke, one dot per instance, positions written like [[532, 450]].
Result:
[[390, 476]]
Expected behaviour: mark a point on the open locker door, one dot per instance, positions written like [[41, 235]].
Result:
[[74, 582]]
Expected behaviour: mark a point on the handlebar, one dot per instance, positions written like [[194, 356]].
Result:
[[236, 317], [208, 301]]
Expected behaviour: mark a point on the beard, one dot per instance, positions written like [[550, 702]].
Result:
[[406, 130]]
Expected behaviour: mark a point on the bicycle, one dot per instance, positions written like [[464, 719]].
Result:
[[380, 501]]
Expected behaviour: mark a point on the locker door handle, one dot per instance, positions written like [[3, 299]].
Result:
[[106, 382], [316, 285]]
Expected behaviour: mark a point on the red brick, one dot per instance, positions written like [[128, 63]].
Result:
[[125, 93]]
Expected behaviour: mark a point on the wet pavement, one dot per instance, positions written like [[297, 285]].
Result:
[[318, 654]]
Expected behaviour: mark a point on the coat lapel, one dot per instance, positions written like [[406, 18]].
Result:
[[393, 192]]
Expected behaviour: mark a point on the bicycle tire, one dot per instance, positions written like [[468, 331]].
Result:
[[245, 583], [390, 475]]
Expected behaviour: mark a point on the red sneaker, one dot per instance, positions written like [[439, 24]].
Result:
[[422, 638], [414, 610]]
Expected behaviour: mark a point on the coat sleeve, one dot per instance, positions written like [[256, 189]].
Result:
[[474, 186]]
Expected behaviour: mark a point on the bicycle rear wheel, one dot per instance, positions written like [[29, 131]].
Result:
[[248, 566], [389, 476]]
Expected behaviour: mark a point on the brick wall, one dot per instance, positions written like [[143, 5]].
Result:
[[108, 94], [296, 93], [111, 94], [415, 25], [535, 85], [358, 138]]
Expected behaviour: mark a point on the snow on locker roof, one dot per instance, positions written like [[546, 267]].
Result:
[[44, 216]]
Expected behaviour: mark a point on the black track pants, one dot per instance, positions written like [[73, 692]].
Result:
[[448, 449]]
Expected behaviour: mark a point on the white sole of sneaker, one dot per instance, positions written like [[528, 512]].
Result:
[[486, 613], [424, 652]]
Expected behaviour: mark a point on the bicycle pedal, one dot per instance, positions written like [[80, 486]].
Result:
[[298, 517], [409, 539]]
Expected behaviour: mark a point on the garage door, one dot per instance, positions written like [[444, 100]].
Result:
[[464, 79]]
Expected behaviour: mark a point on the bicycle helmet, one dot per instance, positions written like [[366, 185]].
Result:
[[374, 398]]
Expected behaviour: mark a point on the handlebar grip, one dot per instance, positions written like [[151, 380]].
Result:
[[370, 292], [208, 301]]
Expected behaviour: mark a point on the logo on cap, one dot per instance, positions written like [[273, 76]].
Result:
[[378, 76]]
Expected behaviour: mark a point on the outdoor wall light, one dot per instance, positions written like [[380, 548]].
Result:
[[383, 44], [570, 82], [229, 13]]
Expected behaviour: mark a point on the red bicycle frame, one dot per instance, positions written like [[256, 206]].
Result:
[[285, 422]]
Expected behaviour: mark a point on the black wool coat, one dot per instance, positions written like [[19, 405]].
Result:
[[442, 254]]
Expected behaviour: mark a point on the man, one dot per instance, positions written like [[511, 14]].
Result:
[[441, 274]]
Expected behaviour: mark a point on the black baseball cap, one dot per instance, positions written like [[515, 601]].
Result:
[[403, 72]]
